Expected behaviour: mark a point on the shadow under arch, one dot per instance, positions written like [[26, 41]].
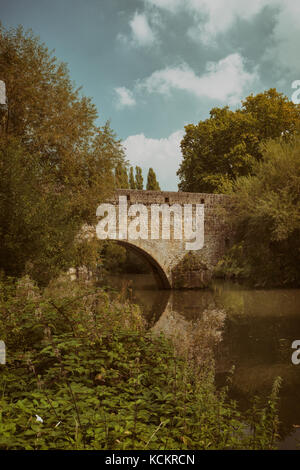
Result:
[[159, 274]]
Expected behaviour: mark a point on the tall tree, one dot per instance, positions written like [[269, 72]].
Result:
[[131, 179], [55, 122], [227, 145], [121, 177], [56, 164], [139, 181], [152, 184]]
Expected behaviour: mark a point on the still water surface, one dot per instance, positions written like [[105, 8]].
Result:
[[259, 330]]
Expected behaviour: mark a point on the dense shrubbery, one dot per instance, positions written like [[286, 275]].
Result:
[[85, 364], [266, 219]]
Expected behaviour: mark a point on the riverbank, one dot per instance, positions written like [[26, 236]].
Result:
[[83, 372]]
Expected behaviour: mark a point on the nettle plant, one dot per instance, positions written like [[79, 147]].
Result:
[[84, 372]]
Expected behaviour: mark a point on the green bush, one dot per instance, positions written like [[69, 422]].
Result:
[[83, 372], [266, 220]]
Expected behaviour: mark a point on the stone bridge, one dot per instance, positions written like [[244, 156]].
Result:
[[173, 265]]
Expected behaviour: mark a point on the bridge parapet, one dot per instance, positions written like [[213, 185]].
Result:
[[168, 197], [174, 265]]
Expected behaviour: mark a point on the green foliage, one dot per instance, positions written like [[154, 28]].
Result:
[[83, 362], [37, 225], [266, 218], [227, 145], [182, 271], [152, 184], [116, 259], [56, 165], [44, 109], [87, 252], [132, 183], [113, 256], [264, 422], [54, 122], [121, 177], [139, 181]]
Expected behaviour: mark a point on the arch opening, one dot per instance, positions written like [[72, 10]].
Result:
[[158, 273]]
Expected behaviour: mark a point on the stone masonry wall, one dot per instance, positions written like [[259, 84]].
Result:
[[173, 264]]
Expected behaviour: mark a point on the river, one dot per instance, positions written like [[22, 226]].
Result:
[[259, 329]]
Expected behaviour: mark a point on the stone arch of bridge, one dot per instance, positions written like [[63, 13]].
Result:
[[158, 272]]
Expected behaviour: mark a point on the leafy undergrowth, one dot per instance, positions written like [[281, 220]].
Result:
[[83, 372]]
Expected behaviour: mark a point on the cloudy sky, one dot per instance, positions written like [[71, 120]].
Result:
[[153, 66]]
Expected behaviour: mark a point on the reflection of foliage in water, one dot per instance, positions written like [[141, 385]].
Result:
[[259, 330], [196, 340]]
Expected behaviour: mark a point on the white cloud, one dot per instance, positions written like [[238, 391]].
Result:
[[124, 97], [226, 80], [171, 5], [142, 30], [284, 51], [142, 33], [212, 17], [221, 15], [163, 155]]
